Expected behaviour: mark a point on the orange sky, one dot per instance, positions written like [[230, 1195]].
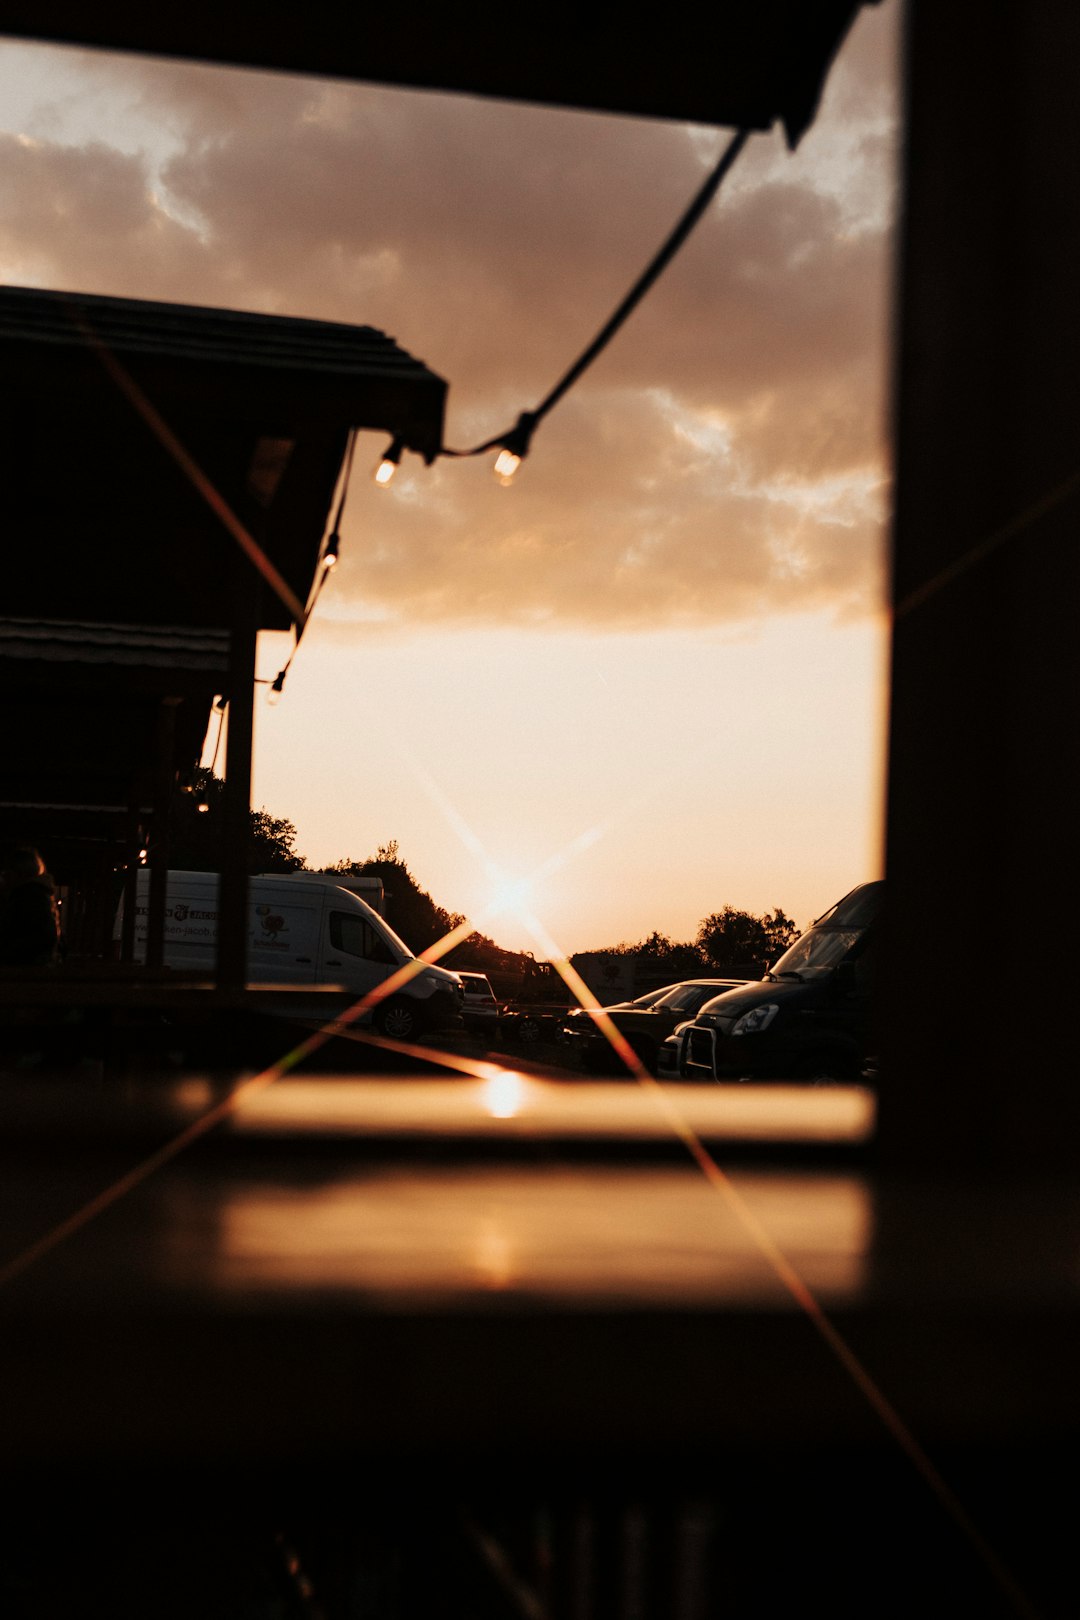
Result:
[[661, 649]]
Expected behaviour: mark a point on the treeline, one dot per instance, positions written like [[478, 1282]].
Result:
[[413, 914], [410, 909], [727, 941]]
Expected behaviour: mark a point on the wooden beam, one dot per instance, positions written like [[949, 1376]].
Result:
[[236, 819], [159, 840]]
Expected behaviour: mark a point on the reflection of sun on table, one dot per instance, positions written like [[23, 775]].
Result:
[[394, 1226], [552, 1234], [504, 1094], [494, 1253]]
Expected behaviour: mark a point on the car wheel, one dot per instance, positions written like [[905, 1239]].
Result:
[[529, 1030], [823, 1069], [398, 1020]]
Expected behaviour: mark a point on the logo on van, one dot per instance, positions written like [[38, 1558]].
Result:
[[180, 913], [272, 924]]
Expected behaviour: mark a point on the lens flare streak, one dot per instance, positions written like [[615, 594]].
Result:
[[785, 1272]]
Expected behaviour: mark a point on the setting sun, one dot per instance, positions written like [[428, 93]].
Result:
[[513, 895]]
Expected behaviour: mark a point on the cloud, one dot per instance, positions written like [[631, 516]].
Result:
[[72, 215], [725, 456]]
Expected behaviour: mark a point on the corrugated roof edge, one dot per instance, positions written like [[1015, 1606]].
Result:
[[200, 332]]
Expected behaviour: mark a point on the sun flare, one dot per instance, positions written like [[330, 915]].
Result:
[[510, 895]]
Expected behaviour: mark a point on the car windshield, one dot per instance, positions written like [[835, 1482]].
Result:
[[651, 997], [688, 997], [857, 909], [816, 953]]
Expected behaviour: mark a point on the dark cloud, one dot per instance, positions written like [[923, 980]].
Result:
[[620, 521], [86, 218], [724, 457]]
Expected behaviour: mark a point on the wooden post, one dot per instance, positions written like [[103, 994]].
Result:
[[132, 840], [159, 846], [979, 1047], [236, 819]]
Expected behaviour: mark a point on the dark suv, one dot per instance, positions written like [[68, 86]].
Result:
[[809, 1018]]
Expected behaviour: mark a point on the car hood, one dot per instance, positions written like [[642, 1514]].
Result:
[[733, 1003], [445, 976], [627, 1017]]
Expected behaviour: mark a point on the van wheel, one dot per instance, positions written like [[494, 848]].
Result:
[[397, 1020]]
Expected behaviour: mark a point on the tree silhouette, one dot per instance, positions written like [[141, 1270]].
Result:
[[729, 938], [410, 910], [195, 840]]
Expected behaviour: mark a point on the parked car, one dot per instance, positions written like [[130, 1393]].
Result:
[[810, 1017], [646, 1024], [537, 1008], [671, 1058], [479, 1008], [533, 1021]]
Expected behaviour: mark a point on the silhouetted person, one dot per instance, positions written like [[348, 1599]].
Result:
[[29, 914]]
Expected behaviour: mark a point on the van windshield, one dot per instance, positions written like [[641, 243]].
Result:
[[815, 954], [395, 939]]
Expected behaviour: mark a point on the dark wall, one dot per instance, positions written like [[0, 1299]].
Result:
[[980, 1031]]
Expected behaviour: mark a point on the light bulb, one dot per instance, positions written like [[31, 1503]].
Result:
[[330, 555], [277, 686], [389, 464], [506, 465]]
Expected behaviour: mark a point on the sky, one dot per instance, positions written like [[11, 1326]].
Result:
[[649, 673]]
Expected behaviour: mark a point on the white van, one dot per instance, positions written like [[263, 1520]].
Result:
[[303, 929], [371, 889]]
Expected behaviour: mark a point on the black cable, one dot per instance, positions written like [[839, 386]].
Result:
[[331, 551], [217, 742], [517, 439], [349, 448]]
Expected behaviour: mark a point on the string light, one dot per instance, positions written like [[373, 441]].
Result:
[[330, 555], [277, 686], [388, 466], [514, 446]]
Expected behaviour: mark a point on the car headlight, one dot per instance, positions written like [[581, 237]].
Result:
[[753, 1022]]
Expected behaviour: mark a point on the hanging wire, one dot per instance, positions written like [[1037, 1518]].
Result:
[[327, 564], [516, 440], [220, 728]]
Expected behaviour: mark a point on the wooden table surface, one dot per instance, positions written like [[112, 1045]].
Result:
[[504, 1278]]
